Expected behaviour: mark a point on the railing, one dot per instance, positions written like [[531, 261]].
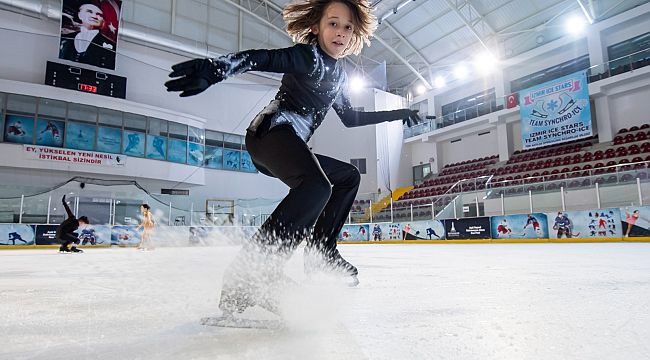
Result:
[[610, 68], [604, 175], [482, 196]]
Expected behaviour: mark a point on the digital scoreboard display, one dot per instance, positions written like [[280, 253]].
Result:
[[85, 80]]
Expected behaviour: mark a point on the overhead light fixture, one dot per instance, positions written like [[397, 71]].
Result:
[[485, 63], [420, 89], [461, 72], [576, 25], [439, 82], [357, 84]]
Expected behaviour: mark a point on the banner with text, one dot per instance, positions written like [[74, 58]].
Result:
[[72, 156], [555, 111], [468, 228]]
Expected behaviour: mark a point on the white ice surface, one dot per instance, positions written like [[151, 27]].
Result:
[[492, 301]]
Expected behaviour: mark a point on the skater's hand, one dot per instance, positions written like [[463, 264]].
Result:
[[412, 119], [195, 76]]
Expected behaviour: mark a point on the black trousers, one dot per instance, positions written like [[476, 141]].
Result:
[[68, 239], [322, 191]]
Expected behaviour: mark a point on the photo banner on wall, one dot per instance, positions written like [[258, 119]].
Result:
[[16, 234], [635, 221], [89, 31], [520, 226], [468, 228], [595, 224], [555, 111]]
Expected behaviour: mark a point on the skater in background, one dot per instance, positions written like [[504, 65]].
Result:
[[322, 188], [65, 232], [147, 225]]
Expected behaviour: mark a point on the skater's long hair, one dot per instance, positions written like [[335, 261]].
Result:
[[302, 15]]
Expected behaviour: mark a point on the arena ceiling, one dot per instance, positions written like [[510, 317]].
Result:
[[418, 40]]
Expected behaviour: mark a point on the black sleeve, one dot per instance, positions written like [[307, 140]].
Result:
[[353, 118], [67, 209], [296, 59]]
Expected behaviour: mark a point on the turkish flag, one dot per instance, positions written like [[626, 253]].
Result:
[[512, 100]]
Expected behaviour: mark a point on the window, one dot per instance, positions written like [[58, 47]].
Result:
[[550, 73], [19, 120], [52, 109], [133, 137], [629, 51], [196, 135], [420, 172], [83, 113], [471, 106], [360, 164], [109, 132], [213, 156], [2, 113]]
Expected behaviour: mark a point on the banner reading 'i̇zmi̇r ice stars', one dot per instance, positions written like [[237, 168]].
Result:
[[555, 111]]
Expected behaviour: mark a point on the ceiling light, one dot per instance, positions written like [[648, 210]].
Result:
[[485, 63], [576, 25], [439, 82], [420, 89], [461, 72], [357, 84]]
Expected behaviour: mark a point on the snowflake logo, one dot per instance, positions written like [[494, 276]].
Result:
[[552, 105]]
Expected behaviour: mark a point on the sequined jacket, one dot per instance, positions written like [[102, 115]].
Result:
[[313, 82]]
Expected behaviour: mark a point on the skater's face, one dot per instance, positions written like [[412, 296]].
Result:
[[335, 29]]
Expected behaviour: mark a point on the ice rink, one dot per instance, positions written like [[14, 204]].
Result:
[[478, 301]]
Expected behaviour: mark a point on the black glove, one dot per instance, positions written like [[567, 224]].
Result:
[[194, 76], [412, 119]]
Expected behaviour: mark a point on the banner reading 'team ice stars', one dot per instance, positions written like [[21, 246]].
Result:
[[555, 111]]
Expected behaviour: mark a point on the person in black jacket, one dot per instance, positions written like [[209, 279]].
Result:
[[66, 230], [322, 189]]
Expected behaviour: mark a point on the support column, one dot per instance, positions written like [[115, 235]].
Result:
[[601, 113], [503, 141], [597, 51]]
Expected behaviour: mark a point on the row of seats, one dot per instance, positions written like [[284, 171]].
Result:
[[562, 150], [472, 161], [633, 128], [526, 168], [631, 137]]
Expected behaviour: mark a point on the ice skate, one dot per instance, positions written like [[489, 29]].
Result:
[[75, 250], [63, 250], [249, 283], [332, 262]]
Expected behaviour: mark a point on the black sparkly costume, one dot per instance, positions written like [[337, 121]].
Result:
[[322, 188]]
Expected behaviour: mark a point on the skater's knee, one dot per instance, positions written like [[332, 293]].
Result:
[[321, 190]]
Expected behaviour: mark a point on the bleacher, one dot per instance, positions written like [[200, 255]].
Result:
[[572, 165]]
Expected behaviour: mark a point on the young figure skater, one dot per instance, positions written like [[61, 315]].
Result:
[[65, 231], [322, 188], [147, 226]]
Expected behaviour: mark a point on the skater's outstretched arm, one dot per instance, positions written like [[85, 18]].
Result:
[[67, 208], [195, 76], [353, 118]]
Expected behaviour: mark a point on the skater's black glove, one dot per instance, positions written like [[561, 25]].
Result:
[[412, 119], [194, 76]]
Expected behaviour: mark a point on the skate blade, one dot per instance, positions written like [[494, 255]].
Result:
[[233, 322]]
